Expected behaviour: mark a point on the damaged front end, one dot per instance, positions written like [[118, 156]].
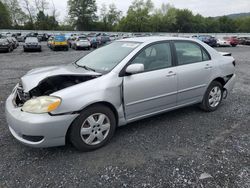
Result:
[[48, 86]]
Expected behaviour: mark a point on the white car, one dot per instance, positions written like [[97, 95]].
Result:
[[81, 42], [223, 43]]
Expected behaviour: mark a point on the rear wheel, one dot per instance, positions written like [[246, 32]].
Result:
[[213, 97], [93, 128]]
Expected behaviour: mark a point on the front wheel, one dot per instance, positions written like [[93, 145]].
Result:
[[213, 97], [93, 128]]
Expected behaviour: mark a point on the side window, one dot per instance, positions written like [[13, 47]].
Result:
[[205, 55], [155, 57], [188, 52]]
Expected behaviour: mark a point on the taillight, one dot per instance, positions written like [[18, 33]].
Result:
[[234, 63]]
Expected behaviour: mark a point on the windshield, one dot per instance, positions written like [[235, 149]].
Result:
[[106, 58], [60, 38]]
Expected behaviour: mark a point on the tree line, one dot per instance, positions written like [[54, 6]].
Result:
[[142, 16]]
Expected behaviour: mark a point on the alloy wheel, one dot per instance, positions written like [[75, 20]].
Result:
[[95, 129], [214, 97]]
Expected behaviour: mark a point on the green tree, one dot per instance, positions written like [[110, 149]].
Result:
[[243, 24], [113, 17], [18, 17], [45, 22], [226, 25], [138, 18], [82, 13], [41, 21], [184, 21], [104, 17], [5, 19]]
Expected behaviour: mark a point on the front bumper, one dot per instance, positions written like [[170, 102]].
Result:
[[51, 129]]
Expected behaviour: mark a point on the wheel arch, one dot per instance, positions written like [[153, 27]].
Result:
[[220, 80], [104, 103]]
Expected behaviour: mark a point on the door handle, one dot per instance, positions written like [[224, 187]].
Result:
[[208, 66], [170, 73]]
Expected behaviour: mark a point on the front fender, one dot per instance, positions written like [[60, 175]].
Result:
[[106, 88]]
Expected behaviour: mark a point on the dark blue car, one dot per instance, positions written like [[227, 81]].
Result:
[[208, 39]]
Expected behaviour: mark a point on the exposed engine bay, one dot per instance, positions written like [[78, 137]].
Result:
[[50, 85]]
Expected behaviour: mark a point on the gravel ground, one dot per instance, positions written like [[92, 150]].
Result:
[[182, 148]]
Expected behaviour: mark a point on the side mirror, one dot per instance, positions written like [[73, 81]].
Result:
[[135, 68]]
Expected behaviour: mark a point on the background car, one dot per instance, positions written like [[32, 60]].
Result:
[[20, 37], [32, 34], [5, 45], [50, 40], [232, 40], [59, 42], [94, 40], [16, 43], [244, 40], [222, 42], [103, 37], [32, 44], [81, 42], [42, 37], [13, 41], [70, 40], [208, 39], [114, 37]]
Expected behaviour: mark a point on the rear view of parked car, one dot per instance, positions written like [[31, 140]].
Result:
[[5, 45], [232, 40], [59, 42], [81, 42], [223, 43], [244, 40], [211, 41], [94, 40], [32, 44]]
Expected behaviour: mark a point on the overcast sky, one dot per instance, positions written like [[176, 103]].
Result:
[[203, 7]]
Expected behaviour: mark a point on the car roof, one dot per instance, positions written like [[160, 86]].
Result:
[[154, 39]]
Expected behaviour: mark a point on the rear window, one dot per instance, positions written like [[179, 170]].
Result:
[[31, 39], [189, 52], [82, 38], [60, 38]]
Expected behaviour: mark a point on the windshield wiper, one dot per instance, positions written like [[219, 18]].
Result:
[[85, 67]]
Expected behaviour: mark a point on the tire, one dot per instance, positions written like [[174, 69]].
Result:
[[95, 135], [210, 103]]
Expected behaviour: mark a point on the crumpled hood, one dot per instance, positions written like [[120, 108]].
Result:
[[35, 76]]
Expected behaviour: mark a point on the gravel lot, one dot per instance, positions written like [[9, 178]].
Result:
[[182, 148]]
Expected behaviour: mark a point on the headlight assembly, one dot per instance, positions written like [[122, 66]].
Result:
[[42, 104]]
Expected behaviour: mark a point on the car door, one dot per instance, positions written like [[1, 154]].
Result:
[[193, 71], [154, 89]]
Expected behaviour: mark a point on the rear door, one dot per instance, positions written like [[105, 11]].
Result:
[[194, 71], [154, 89]]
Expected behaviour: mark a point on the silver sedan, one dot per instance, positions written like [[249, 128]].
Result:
[[122, 82]]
